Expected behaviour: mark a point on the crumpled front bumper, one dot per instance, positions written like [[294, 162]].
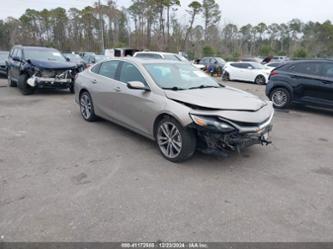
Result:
[[213, 141], [42, 82]]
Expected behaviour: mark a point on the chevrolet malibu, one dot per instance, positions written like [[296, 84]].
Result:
[[173, 103]]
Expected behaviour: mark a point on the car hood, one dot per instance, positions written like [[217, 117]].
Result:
[[52, 64], [224, 98]]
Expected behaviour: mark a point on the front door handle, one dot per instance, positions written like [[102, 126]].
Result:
[[94, 81], [117, 89]]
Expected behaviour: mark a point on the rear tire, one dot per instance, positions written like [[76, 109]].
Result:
[[23, 85], [280, 97], [260, 80], [87, 107], [226, 76], [175, 142]]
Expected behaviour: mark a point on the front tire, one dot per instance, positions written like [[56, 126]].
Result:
[[23, 85], [280, 97], [260, 80], [175, 142], [87, 107]]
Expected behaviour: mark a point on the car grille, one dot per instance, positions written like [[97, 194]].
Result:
[[48, 74]]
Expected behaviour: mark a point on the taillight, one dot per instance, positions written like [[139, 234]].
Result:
[[273, 73]]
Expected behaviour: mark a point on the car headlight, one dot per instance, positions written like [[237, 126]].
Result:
[[211, 122]]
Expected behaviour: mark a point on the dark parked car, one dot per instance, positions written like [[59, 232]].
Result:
[[213, 64], [39, 67], [3, 63], [308, 82], [91, 58], [75, 58]]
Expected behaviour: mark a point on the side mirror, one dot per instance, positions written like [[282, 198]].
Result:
[[138, 85], [16, 58], [249, 68], [67, 59], [93, 61]]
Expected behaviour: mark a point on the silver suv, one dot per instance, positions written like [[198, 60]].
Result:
[[175, 104]]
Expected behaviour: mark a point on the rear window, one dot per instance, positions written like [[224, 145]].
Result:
[[150, 56], [171, 57]]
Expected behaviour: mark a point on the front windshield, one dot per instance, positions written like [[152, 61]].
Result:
[[179, 76], [257, 66], [44, 55]]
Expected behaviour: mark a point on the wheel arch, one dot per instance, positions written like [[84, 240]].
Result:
[[282, 85], [260, 75], [160, 117]]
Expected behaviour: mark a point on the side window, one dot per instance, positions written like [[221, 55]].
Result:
[[109, 68], [129, 73], [306, 68], [95, 69], [248, 66], [240, 65], [235, 65], [328, 70]]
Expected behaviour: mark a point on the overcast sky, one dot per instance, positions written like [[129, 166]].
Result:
[[233, 11]]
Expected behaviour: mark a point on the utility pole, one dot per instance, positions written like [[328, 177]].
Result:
[[101, 26]]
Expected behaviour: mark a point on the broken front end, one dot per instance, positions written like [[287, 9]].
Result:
[[220, 136], [49, 78]]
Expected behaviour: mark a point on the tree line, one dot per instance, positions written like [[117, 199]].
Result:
[[157, 25]]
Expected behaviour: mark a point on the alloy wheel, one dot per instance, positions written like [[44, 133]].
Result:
[[260, 80], [86, 106], [280, 98], [169, 139]]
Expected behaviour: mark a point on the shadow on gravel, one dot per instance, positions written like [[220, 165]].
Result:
[[52, 92]]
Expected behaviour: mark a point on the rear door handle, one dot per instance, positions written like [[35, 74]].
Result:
[[117, 89], [94, 81]]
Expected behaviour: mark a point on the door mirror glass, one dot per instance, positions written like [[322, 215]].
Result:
[[136, 85]]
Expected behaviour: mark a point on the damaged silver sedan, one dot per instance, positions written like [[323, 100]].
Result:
[[180, 107]]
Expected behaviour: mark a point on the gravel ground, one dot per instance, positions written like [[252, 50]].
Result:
[[63, 179]]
